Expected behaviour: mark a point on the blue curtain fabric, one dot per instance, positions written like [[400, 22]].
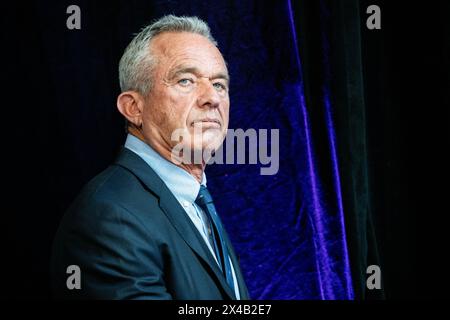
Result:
[[288, 228]]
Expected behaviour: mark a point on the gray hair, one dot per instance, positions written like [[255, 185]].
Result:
[[136, 64]]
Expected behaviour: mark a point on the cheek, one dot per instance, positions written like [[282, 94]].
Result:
[[226, 114], [166, 108], [181, 106], [180, 110]]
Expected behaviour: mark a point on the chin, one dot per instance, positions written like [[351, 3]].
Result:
[[212, 142]]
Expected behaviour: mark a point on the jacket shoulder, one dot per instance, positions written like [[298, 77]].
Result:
[[115, 191]]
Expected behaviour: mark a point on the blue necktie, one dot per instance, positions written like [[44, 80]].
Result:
[[205, 201]]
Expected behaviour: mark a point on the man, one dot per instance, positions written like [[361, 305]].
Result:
[[146, 227]]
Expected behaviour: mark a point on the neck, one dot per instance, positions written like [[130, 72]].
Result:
[[195, 170]]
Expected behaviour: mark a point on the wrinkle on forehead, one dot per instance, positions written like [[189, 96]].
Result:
[[177, 48]]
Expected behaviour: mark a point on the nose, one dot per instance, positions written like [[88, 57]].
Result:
[[208, 96]]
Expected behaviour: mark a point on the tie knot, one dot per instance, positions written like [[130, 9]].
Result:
[[203, 197]]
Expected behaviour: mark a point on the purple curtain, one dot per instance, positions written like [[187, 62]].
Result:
[[288, 228]]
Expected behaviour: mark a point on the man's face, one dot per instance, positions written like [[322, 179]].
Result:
[[189, 93]]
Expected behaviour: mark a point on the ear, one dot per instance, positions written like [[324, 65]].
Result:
[[131, 104]]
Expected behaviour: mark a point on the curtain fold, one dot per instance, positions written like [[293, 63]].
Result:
[[331, 46]]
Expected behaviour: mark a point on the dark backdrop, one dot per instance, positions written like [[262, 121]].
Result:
[[386, 92]]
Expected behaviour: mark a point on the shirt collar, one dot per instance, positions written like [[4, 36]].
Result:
[[183, 185]]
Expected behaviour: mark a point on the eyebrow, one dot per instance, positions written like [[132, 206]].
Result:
[[196, 71]]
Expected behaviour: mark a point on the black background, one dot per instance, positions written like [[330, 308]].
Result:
[[407, 96]]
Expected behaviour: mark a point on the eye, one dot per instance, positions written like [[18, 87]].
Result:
[[219, 86], [185, 82]]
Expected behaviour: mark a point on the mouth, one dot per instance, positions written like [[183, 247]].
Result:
[[207, 122]]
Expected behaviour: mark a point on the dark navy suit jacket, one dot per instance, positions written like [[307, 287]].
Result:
[[132, 239]]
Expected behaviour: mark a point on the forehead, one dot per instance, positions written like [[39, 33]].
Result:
[[173, 49]]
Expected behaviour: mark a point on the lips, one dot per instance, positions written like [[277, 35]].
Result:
[[207, 121]]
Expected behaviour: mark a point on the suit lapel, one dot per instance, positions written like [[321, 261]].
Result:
[[191, 236], [174, 212]]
